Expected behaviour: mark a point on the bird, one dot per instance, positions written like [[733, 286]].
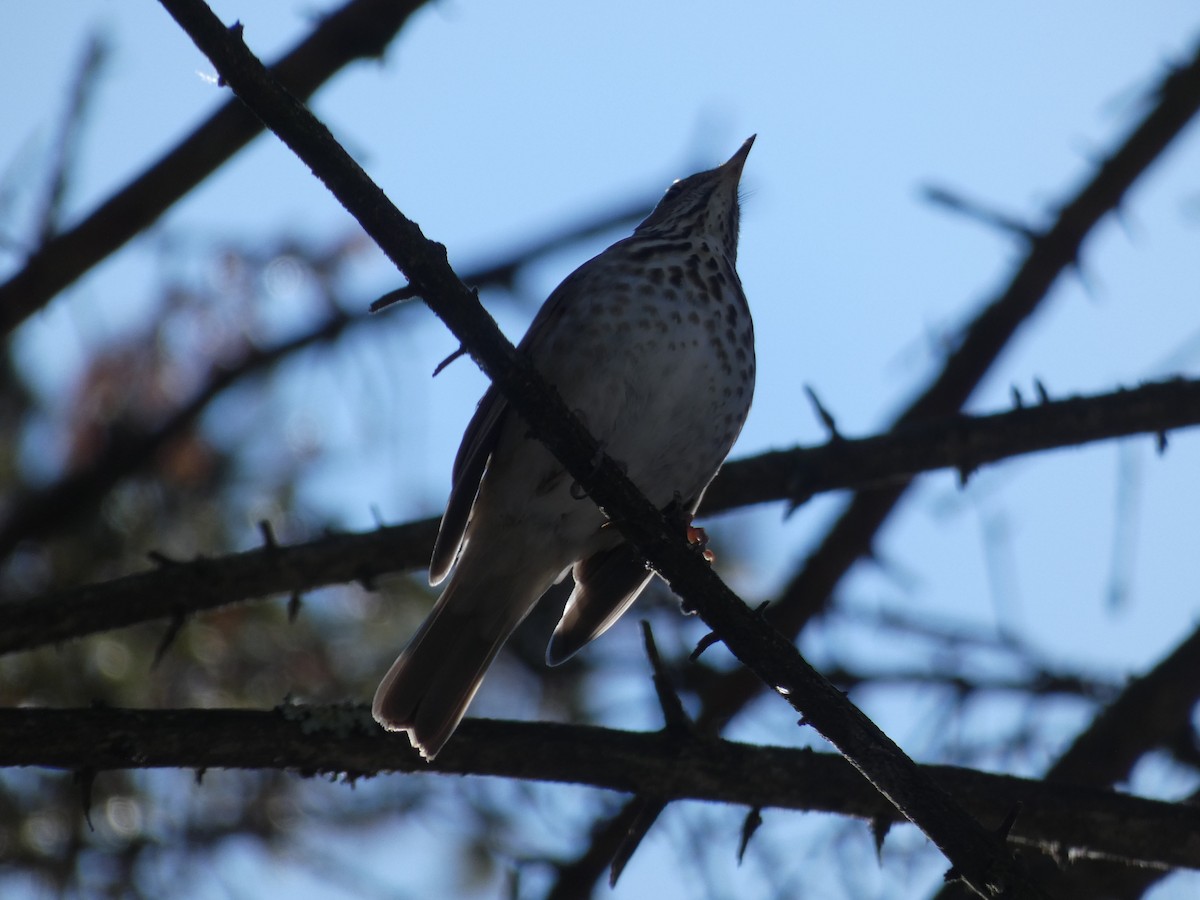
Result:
[[651, 344]]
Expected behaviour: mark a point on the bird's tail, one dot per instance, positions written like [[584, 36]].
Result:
[[428, 688]]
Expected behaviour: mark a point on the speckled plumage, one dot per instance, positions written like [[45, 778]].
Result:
[[652, 345]]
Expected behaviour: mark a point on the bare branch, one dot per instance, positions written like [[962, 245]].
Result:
[[959, 441], [978, 855], [185, 588], [63, 155], [1148, 714], [1071, 820], [360, 29], [1050, 254]]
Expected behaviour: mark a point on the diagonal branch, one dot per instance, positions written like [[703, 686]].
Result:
[[1068, 820], [360, 29], [1147, 715], [960, 442], [1051, 252], [1150, 710], [42, 512], [979, 857]]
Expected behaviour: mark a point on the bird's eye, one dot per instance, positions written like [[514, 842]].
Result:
[[673, 191]]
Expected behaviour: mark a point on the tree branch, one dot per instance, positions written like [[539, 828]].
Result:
[[1050, 253], [1069, 821], [961, 442], [979, 857], [360, 29], [1147, 715], [1150, 710]]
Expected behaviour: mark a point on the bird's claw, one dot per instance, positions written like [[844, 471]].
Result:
[[699, 537], [696, 536]]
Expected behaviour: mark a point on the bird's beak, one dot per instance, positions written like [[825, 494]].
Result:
[[738, 159]]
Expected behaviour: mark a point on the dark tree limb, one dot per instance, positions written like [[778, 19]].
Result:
[[1051, 252], [1068, 820], [182, 589], [961, 442], [1147, 715], [360, 29], [978, 856], [955, 441]]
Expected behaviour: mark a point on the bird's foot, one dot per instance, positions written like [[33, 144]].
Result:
[[677, 511]]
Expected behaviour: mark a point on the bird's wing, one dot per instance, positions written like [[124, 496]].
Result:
[[480, 438], [477, 444]]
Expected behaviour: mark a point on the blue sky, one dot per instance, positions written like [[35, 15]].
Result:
[[487, 123]]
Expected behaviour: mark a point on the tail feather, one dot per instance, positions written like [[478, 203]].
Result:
[[429, 687]]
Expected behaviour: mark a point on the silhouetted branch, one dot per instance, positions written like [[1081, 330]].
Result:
[[1146, 715], [360, 29], [1149, 714], [1051, 252], [1035, 683], [978, 856], [960, 442], [963, 442], [182, 589], [955, 202], [1068, 820]]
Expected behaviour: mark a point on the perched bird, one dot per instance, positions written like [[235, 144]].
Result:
[[652, 345]]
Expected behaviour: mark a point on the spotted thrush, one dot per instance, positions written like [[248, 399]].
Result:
[[652, 345]]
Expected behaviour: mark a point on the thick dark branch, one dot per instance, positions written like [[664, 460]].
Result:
[[1050, 254], [1063, 819], [1149, 714], [978, 856], [962, 442], [360, 29], [181, 589]]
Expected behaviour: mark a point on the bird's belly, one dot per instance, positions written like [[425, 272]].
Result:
[[666, 393]]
